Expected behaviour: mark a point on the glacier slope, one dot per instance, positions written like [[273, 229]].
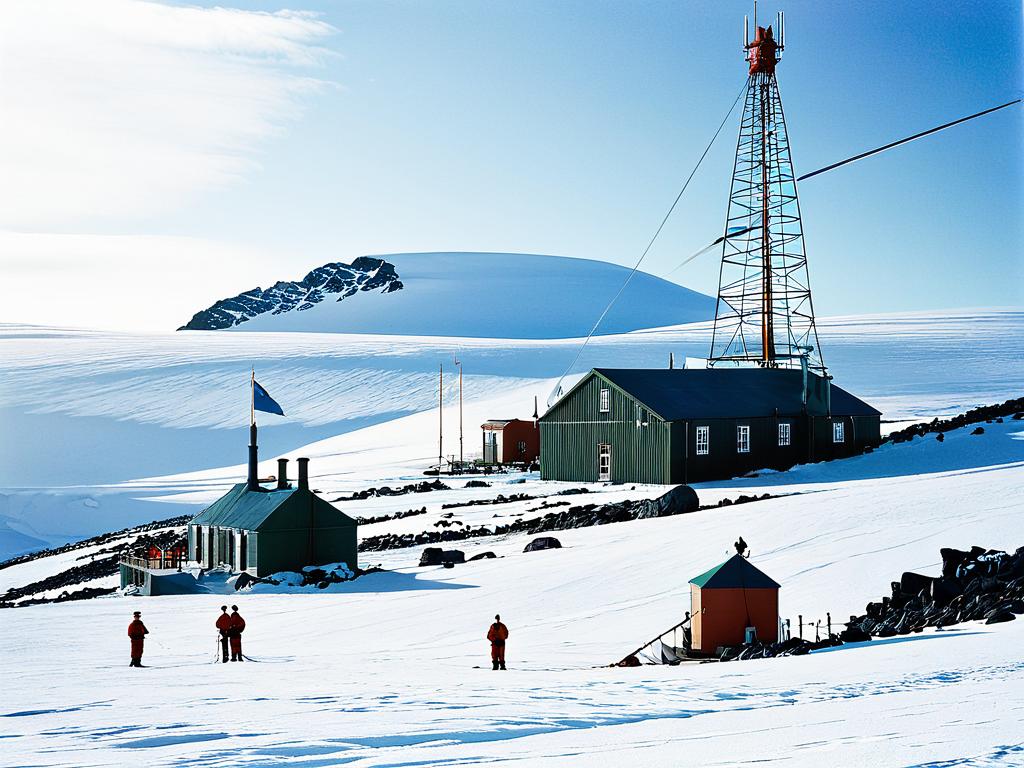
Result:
[[384, 671], [92, 410]]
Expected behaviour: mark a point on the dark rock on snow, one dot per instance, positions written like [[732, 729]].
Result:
[[999, 616], [986, 413], [438, 556], [544, 542], [424, 486], [678, 501]]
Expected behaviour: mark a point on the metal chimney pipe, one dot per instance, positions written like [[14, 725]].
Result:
[[303, 473], [252, 483], [282, 474]]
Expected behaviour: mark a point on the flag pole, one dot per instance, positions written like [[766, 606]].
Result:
[[252, 482]]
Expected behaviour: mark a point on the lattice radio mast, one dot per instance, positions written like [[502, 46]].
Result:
[[764, 313]]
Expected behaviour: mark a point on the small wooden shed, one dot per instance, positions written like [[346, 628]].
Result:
[[728, 599], [510, 440]]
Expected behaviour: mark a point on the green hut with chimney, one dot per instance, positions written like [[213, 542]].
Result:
[[266, 530]]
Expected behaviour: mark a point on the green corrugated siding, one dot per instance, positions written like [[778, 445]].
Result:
[[571, 432]]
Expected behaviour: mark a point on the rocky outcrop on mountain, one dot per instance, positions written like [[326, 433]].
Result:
[[336, 280]]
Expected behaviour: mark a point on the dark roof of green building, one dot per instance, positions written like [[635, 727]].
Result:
[[735, 573], [723, 393], [241, 508]]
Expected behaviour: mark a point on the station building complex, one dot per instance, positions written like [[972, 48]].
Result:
[[691, 425]]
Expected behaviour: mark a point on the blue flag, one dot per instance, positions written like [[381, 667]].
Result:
[[262, 401]]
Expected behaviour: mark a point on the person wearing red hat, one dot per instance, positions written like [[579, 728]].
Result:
[[137, 632]]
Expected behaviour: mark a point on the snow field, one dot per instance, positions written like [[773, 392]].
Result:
[[383, 671]]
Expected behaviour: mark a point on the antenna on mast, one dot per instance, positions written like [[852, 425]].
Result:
[[764, 315]]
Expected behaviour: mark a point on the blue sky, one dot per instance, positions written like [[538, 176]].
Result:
[[546, 127]]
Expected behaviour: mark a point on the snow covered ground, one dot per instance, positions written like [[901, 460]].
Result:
[[391, 670], [92, 410]]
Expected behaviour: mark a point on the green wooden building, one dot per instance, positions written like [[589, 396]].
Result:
[[263, 531], [685, 426]]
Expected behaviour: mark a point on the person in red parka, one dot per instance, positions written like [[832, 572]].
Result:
[[235, 633], [137, 632], [497, 634], [224, 628]]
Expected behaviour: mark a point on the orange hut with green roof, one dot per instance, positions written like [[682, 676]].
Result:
[[728, 599]]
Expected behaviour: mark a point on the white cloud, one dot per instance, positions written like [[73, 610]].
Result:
[[126, 282], [118, 109]]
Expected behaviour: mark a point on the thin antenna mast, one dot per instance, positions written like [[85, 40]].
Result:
[[459, 363], [440, 417]]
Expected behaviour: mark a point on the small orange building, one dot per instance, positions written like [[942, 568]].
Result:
[[728, 599], [510, 440]]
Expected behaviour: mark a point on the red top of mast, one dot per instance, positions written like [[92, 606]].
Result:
[[762, 53]]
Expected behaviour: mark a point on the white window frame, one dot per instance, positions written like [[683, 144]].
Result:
[[643, 416], [742, 438], [785, 434], [838, 432], [703, 440], [604, 472], [605, 401]]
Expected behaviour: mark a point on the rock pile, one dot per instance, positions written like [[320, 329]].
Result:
[[677, 501], [499, 499], [180, 521], [438, 556], [979, 584], [502, 499], [101, 563], [395, 516], [424, 486], [987, 413], [976, 585], [543, 542], [79, 574]]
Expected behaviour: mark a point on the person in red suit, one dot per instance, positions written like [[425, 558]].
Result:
[[235, 634], [497, 634], [224, 628], [137, 632]]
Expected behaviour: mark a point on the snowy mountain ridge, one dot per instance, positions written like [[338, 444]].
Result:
[[464, 294], [335, 279]]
